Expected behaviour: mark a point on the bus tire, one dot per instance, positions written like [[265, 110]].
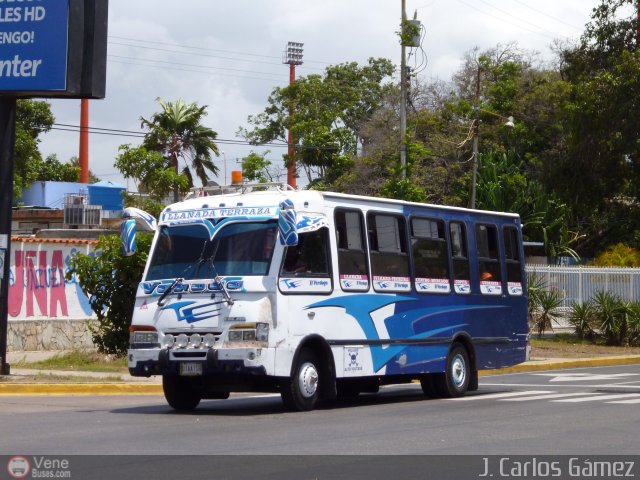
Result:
[[300, 393], [428, 384], [473, 382], [347, 389], [455, 380], [180, 392]]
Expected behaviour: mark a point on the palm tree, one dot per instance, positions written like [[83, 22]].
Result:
[[177, 133]]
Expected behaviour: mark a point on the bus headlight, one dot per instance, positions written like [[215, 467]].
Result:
[[262, 332], [235, 335], [168, 341], [209, 340], [195, 340], [181, 341], [249, 332], [142, 336]]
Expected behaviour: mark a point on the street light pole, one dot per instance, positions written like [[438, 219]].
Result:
[[292, 56]]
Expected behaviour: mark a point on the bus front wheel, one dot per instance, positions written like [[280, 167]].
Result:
[[455, 380], [301, 391], [180, 392]]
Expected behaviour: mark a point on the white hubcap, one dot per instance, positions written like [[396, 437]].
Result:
[[308, 380], [458, 372]]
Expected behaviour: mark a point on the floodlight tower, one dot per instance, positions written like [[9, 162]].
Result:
[[292, 56]]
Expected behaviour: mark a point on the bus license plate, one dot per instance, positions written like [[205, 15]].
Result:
[[190, 369]]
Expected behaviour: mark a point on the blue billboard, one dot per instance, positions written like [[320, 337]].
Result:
[[33, 45]]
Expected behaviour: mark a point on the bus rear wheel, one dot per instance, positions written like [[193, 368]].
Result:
[[455, 380], [301, 391], [180, 392]]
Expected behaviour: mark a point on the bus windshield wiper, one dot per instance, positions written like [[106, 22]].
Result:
[[211, 267], [169, 289], [223, 287]]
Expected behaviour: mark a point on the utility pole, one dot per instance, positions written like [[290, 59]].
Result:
[[292, 56], [476, 124], [83, 158], [403, 94]]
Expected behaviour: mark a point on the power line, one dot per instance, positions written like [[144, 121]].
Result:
[[208, 49], [138, 64], [144, 47], [547, 15], [192, 53], [504, 12], [196, 66], [65, 127], [503, 20]]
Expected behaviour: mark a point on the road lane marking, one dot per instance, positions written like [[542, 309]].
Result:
[[598, 397], [537, 385], [499, 395], [580, 377], [627, 402], [545, 397]]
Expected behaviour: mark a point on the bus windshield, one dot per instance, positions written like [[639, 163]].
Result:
[[186, 251]]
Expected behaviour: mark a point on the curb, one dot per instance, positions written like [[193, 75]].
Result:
[[562, 364], [80, 389]]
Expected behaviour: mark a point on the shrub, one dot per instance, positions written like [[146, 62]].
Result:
[[547, 311], [544, 305], [612, 317], [582, 318], [618, 255], [110, 281]]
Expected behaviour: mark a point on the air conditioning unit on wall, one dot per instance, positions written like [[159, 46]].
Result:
[[78, 214]]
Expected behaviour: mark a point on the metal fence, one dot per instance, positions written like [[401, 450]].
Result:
[[579, 284]]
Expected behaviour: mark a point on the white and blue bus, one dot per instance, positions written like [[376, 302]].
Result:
[[317, 295]]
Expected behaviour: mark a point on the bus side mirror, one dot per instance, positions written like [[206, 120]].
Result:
[[287, 224], [128, 237], [134, 218]]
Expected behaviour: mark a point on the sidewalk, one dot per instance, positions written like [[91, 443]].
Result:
[[24, 381]]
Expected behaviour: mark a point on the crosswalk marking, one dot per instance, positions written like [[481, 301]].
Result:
[[599, 397], [628, 402], [500, 395], [554, 396], [547, 396]]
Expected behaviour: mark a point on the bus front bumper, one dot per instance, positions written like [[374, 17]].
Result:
[[154, 361]]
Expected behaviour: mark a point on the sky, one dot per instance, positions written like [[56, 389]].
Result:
[[227, 55]]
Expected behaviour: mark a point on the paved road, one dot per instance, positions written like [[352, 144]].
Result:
[[587, 411]]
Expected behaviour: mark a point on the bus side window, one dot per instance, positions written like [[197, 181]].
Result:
[[512, 259], [352, 260], [460, 257], [430, 255], [488, 259], [388, 256], [309, 257]]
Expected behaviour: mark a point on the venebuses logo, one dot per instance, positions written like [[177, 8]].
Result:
[[18, 467]]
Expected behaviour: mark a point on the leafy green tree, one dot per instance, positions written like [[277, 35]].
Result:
[[400, 185], [110, 281], [256, 168], [600, 171], [178, 134], [329, 113], [32, 119], [75, 161], [504, 185], [152, 176], [53, 170]]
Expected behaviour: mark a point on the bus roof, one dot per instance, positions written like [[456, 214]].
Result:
[[274, 197]]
